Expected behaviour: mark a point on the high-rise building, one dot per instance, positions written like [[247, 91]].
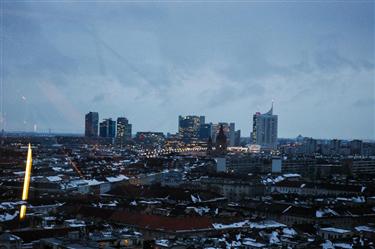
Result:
[[205, 132], [91, 124], [188, 127], [265, 129], [232, 134], [108, 128], [214, 131], [237, 138], [124, 130]]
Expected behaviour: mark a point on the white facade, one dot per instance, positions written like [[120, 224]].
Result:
[[221, 164]]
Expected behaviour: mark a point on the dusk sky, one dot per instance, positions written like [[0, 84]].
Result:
[[152, 62]]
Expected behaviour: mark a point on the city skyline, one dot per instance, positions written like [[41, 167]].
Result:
[[187, 124], [212, 125], [162, 60]]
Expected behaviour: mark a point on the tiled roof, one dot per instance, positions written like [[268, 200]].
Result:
[[156, 191], [156, 222]]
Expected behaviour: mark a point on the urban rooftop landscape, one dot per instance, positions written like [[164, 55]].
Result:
[[152, 124]]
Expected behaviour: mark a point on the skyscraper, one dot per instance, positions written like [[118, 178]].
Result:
[[124, 130], [205, 132], [232, 134], [237, 138], [91, 124], [108, 128], [265, 129], [188, 127]]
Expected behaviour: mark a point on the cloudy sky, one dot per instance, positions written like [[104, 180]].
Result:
[[152, 62]]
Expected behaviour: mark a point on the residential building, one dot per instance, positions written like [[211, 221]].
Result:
[[108, 128], [124, 130], [356, 147], [91, 124]]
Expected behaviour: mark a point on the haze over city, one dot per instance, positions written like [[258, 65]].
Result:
[[187, 124], [152, 62]]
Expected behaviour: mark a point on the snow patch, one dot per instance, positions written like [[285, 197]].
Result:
[[54, 178], [8, 217], [289, 231], [118, 178]]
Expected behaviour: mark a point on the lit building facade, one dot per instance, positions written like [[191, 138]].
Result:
[[108, 128], [265, 129], [91, 124], [124, 130], [149, 138], [189, 126]]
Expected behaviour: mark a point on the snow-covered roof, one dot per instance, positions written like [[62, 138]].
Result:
[[150, 202], [8, 217], [200, 210], [290, 175], [75, 223], [233, 225], [195, 199], [162, 242], [325, 212], [91, 182], [335, 230], [117, 178], [252, 243], [266, 224], [343, 245], [289, 231], [257, 225], [9, 237], [365, 229], [274, 239], [54, 178], [10, 204]]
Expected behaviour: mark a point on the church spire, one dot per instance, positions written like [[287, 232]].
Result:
[[221, 141]]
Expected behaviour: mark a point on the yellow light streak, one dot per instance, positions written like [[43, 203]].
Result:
[[26, 183], [23, 212]]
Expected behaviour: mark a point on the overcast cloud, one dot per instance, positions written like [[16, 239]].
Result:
[[152, 62]]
